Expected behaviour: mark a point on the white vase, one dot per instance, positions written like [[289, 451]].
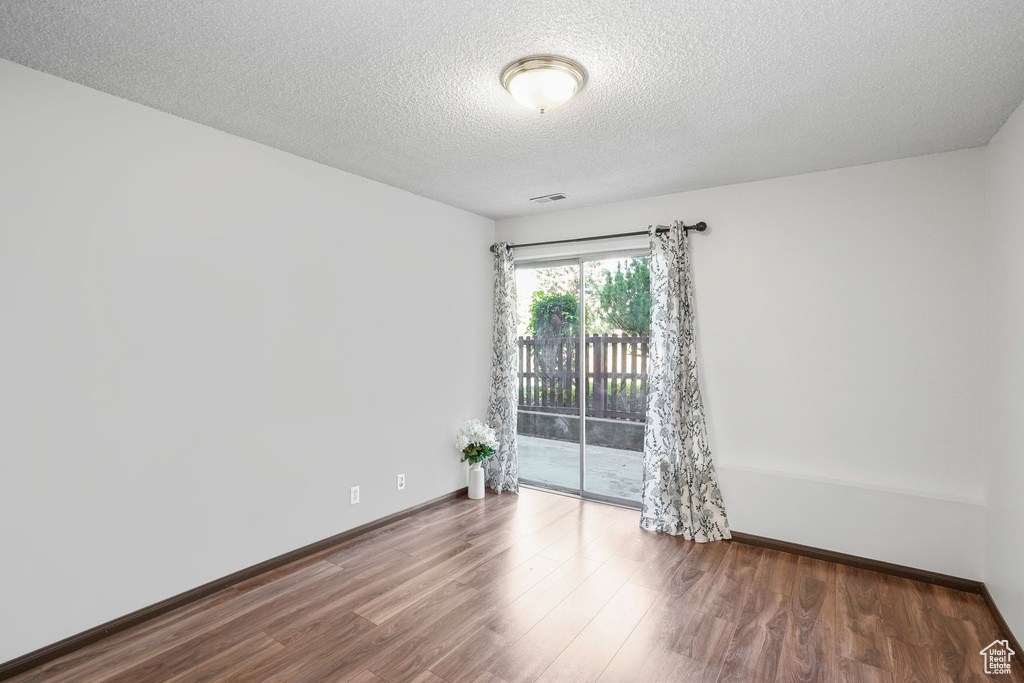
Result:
[[476, 481]]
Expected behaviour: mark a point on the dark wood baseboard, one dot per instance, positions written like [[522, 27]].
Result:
[[1004, 628], [954, 582], [80, 640]]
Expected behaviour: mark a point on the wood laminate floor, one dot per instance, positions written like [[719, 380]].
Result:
[[542, 587]]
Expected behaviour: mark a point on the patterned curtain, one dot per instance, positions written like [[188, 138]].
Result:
[[680, 487], [503, 467]]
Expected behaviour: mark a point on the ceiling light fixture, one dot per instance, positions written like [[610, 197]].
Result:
[[543, 82]]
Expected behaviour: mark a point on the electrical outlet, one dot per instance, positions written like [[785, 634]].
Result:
[[355, 494], [401, 481]]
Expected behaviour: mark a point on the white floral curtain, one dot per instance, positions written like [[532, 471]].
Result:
[[680, 488], [503, 467]]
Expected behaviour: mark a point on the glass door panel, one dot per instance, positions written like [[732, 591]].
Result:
[[618, 306], [548, 428]]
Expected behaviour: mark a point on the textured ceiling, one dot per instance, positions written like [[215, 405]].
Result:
[[680, 95]]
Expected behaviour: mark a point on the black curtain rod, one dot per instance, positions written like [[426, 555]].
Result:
[[699, 227]]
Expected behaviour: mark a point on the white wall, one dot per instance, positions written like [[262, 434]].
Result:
[[1004, 566], [205, 342], [838, 315]]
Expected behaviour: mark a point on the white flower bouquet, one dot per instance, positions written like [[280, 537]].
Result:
[[476, 441]]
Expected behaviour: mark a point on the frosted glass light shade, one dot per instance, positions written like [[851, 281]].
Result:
[[542, 83]]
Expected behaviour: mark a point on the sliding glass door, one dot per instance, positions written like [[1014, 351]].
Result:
[[549, 428], [619, 303], [581, 424]]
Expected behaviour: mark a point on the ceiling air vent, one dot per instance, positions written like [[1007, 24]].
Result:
[[547, 198]]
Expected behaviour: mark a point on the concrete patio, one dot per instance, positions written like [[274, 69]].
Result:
[[610, 471]]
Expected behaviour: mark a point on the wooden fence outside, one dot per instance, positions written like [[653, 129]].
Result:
[[616, 375]]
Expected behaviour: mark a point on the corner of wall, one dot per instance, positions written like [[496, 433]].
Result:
[[1003, 336]]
